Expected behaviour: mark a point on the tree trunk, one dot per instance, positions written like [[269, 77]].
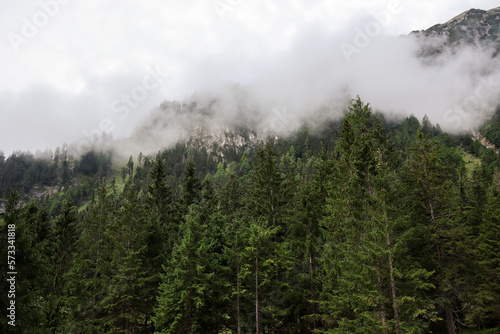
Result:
[[449, 320], [448, 313], [382, 311], [312, 287], [391, 275], [190, 292], [238, 295], [257, 289], [393, 286]]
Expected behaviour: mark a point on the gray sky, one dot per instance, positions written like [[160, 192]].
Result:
[[72, 68]]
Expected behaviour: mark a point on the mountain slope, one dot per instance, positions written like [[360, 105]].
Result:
[[476, 27]]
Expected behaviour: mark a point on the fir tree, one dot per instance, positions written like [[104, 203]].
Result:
[[265, 213], [362, 269], [231, 204], [487, 298], [191, 187], [160, 216], [193, 292], [90, 270], [129, 301], [27, 259], [62, 247], [432, 199]]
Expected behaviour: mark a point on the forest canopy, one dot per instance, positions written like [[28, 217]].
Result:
[[366, 226]]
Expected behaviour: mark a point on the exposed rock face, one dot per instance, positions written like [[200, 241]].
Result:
[[475, 27], [201, 124], [485, 142], [224, 141]]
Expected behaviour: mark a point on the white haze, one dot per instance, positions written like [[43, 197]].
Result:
[[269, 64], [458, 90]]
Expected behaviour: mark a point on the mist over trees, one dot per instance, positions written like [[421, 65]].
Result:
[[365, 226]]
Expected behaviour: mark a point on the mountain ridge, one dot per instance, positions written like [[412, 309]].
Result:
[[475, 27]]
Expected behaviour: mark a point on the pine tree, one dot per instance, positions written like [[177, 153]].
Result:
[[90, 269], [354, 295], [306, 237], [160, 213], [265, 209], [62, 246], [159, 195], [231, 197], [433, 203], [195, 289], [140, 158], [193, 293], [408, 283], [364, 272], [487, 298], [130, 299], [130, 166], [28, 223], [231, 205], [426, 125], [191, 187]]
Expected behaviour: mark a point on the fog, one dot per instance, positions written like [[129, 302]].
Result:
[[312, 82], [269, 67]]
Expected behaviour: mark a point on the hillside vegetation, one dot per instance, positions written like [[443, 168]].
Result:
[[363, 227]]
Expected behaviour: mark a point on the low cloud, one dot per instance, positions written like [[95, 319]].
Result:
[[269, 68], [312, 81]]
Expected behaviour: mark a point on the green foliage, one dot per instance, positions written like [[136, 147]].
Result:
[[492, 129], [63, 238], [193, 293], [129, 301], [90, 272], [361, 226], [92, 163]]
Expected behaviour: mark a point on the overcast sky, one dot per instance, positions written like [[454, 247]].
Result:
[[69, 68]]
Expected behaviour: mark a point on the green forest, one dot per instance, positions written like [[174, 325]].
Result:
[[367, 225]]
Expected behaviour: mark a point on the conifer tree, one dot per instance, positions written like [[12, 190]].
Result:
[[64, 234], [90, 270], [191, 187], [433, 203], [487, 298], [130, 166], [28, 223], [161, 224], [354, 295], [231, 204], [129, 301], [306, 239], [362, 269], [265, 233], [195, 289], [193, 293]]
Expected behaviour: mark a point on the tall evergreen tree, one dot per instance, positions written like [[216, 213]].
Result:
[[360, 284], [194, 293], [265, 210], [354, 253], [160, 216], [129, 301], [231, 205], [191, 187], [487, 298], [434, 205], [28, 224], [63, 237], [195, 289], [90, 271]]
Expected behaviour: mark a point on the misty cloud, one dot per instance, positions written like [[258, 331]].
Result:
[[271, 67], [311, 82]]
